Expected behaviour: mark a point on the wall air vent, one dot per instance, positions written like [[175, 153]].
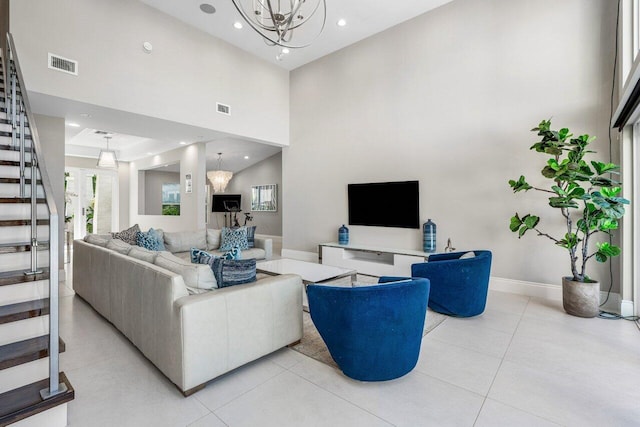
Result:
[[223, 109], [101, 132], [57, 62]]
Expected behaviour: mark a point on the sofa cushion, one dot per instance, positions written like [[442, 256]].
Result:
[[152, 240], [119, 246], [194, 275], [97, 239], [198, 256], [251, 236], [213, 238], [183, 241], [234, 237], [143, 254], [233, 272], [130, 235]]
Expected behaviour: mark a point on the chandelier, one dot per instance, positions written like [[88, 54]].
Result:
[[276, 20], [107, 158], [219, 178]]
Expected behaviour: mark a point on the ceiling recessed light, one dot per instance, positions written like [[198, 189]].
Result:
[[73, 125], [183, 143], [341, 22], [246, 157], [207, 8], [237, 25], [285, 50]]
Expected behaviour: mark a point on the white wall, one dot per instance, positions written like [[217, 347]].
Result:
[[268, 171], [448, 98], [192, 206], [153, 181], [181, 80]]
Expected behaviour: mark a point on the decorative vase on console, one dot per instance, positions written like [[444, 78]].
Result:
[[343, 235], [429, 236]]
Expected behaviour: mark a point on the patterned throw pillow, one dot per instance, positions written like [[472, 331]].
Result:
[[232, 237], [150, 240], [130, 235], [234, 253], [231, 272], [198, 256], [251, 236]]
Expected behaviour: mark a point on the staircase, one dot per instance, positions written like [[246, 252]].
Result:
[[32, 390]]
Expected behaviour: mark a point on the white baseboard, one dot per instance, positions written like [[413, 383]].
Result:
[[300, 255], [521, 287], [626, 308]]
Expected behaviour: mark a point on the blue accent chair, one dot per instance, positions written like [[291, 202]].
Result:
[[458, 286], [372, 332]]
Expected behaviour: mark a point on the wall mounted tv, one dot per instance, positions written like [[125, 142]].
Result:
[[226, 202], [385, 204]]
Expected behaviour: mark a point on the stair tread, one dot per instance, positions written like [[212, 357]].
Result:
[[13, 163], [18, 276], [23, 310], [26, 200], [17, 181], [14, 247], [21, 222], [9, 147], [25, 401], [18, 353]]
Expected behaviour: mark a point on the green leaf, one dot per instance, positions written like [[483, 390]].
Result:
[[606, 250], [570, 241], [604, 167], [548, 172], [531, 221], [562, 202], [519, 185], [515, 223]]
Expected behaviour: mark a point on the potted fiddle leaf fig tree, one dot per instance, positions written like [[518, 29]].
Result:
[[588, 199]]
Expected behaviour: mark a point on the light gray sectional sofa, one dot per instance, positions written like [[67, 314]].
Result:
[[191, 338]]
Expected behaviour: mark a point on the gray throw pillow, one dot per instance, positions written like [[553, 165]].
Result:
[[143, 254], [130, 235], [234, 237]]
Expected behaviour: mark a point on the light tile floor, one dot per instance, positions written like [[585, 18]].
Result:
[[524, 362]]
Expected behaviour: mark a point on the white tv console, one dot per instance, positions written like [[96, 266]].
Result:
[[372, 260]]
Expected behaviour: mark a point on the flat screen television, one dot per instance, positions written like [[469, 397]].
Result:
[[385, 204], [225, 202]]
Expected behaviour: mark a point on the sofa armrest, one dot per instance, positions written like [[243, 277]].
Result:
[[228, 327], [266, 244]]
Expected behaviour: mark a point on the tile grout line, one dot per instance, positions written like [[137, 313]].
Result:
[[340, 397], [502, 360]]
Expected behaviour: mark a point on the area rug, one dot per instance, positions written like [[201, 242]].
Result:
[[314, 347]]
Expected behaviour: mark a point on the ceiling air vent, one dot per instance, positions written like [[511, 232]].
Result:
[[223, 109], [101, 132], [57, 62]]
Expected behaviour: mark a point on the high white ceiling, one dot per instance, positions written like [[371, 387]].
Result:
[[363, 19], [135, 136]]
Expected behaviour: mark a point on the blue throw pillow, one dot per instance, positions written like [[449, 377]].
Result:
[[198, 256], [234, 253], [232, 237], [233, 272], [251, 236], [150, 240]]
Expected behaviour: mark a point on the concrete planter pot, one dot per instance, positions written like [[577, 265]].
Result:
[[580, 299]]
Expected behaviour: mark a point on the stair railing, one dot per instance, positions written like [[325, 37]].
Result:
[[19, 113]]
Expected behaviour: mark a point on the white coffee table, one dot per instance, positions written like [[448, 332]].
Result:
[[309, 272]]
